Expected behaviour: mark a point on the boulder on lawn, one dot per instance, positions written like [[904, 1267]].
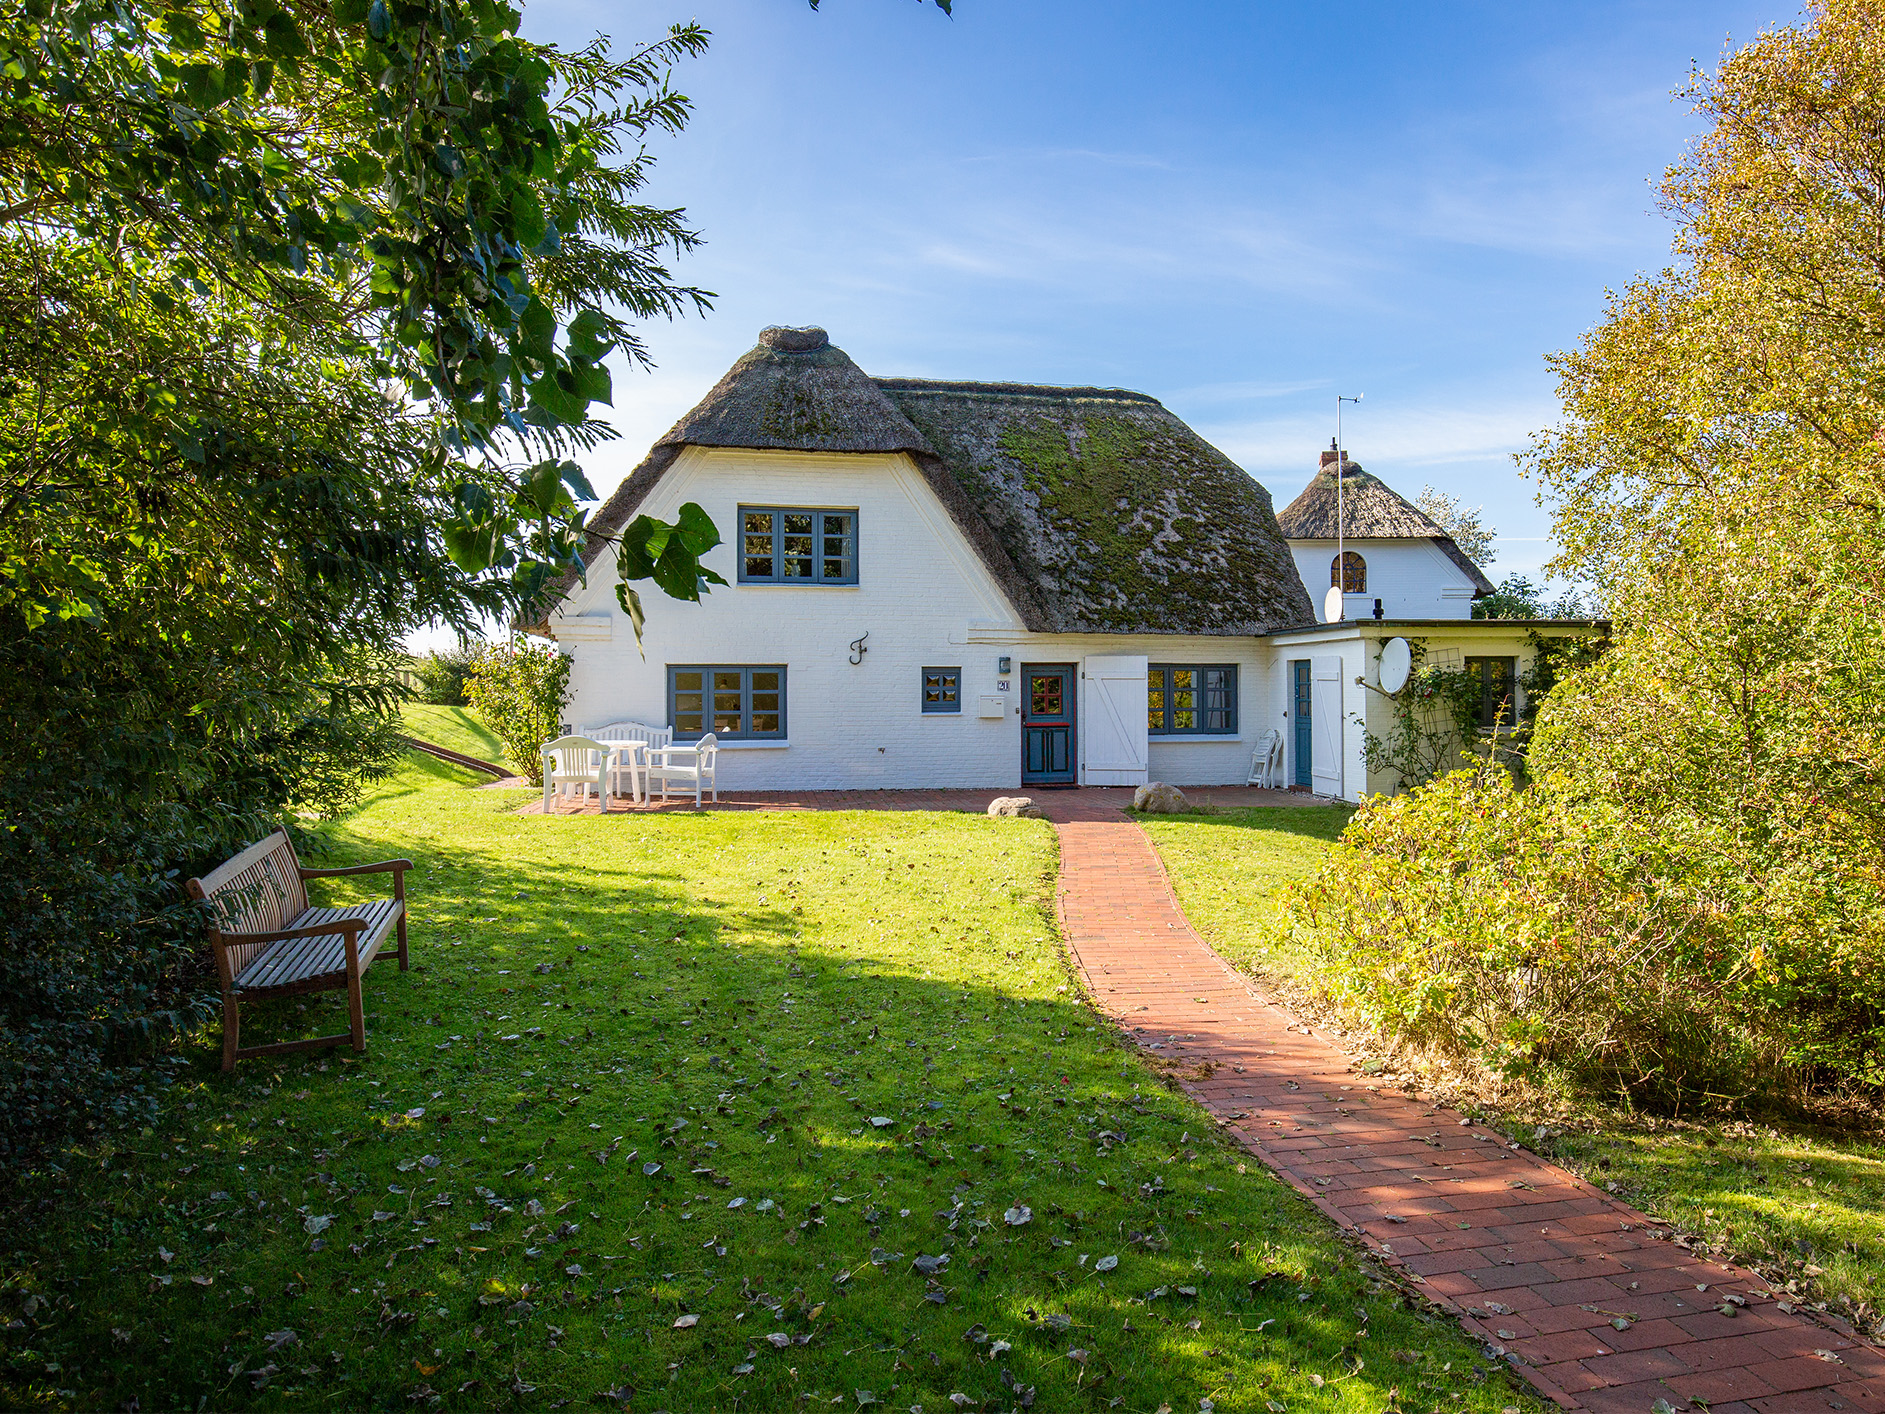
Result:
[[1159, 799], [1013, 805]]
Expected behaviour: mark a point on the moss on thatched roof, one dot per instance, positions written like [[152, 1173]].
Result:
[[1122, 517], [1370, 510], [1094, 509]]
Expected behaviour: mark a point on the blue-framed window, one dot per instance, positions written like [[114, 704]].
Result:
[[735, 703], [942, 689], [1184, 699], [797, 545]]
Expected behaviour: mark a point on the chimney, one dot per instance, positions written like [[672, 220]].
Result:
[[1330, 454]]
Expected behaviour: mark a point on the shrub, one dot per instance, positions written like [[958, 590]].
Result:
[[442, 675], [519, 690], [1550, 928]]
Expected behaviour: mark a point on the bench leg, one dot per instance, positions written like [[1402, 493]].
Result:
[[356, 1010], [232, 1030], [402, 942]]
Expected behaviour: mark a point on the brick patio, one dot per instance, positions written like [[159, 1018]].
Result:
[[1536, 1263]]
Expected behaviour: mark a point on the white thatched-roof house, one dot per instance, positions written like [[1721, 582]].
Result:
[[970, 584]]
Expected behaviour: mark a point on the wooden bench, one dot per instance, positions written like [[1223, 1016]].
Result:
[[270, 943]]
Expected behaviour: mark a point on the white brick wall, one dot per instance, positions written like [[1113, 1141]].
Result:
[[925, 600]]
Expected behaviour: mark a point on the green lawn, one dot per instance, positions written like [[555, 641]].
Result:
[[454, 728], [1801, 1204], [684, 1112]]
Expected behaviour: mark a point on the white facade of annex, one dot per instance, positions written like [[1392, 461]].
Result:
[[1412, 578]]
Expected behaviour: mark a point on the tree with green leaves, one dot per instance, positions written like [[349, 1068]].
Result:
[[303, 320], [1707, 807], [1465, 524], [452, 204]]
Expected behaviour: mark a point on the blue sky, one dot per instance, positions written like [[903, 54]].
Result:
[[1240, 208]]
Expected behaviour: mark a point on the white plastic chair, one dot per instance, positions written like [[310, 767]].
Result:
[[1266, 762], [685, 763], [633, 741], [575, 761]]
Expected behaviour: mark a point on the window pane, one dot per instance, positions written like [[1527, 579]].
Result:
[[726, 700], [1350, 571], [1220, 699], [685, 712], [756, 532], [838, 547], [1155, 700], [795, 545], [1184, 699], [768, 702], [1044, 695]]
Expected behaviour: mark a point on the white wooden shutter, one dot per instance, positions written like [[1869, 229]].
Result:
[[1112, 721], [1325, 753]]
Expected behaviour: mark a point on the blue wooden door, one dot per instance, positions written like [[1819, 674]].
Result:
[[1047, 724], [1301, 723]]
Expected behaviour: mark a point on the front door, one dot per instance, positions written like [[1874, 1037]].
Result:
[[1047, 744], [1303, 726]]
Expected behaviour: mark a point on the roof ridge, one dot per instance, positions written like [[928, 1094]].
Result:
[[1019, 390]]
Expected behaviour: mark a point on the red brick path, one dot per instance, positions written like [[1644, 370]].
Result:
[[1535, 1262]]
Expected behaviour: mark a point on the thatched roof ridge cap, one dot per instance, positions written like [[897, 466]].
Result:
[[1053, 391]]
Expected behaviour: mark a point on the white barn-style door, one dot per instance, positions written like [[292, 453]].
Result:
[[1326, 713], [1113, 721]]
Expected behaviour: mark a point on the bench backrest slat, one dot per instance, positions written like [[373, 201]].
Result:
[[617, 732], [258, 891]]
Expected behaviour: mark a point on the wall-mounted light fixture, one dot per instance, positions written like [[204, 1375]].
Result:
[[1004, 665]]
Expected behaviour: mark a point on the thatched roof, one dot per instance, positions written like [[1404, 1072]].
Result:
[[1122, 517], [1370, 510], [1094, 509]]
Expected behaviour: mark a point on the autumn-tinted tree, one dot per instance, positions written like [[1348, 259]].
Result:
[[1709, 795]]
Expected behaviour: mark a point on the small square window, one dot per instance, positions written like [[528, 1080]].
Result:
[[942, 689]]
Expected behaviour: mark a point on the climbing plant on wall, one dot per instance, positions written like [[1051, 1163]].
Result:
[[1434, 720]]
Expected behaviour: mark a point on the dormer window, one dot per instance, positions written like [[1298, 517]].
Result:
[[1350, 571], [797, 545]]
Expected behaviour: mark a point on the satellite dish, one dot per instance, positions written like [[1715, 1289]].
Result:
[[1333, 611], [1397, 661]]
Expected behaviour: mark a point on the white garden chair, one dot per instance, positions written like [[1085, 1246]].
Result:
[[1266, 762], [685, 763], [575, 763], [632, 742]]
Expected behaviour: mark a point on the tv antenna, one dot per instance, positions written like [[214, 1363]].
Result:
[[1335, 602]]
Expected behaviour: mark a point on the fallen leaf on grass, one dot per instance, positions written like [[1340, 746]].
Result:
[[682, 1323]]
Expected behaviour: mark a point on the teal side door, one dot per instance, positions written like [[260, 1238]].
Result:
[[1047, 725], [1301, 725]]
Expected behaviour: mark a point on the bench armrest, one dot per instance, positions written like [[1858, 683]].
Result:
[[351, 926], [390, 866]]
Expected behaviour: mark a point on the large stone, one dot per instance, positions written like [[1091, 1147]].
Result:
[[1013, 805], [1159, 799]]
